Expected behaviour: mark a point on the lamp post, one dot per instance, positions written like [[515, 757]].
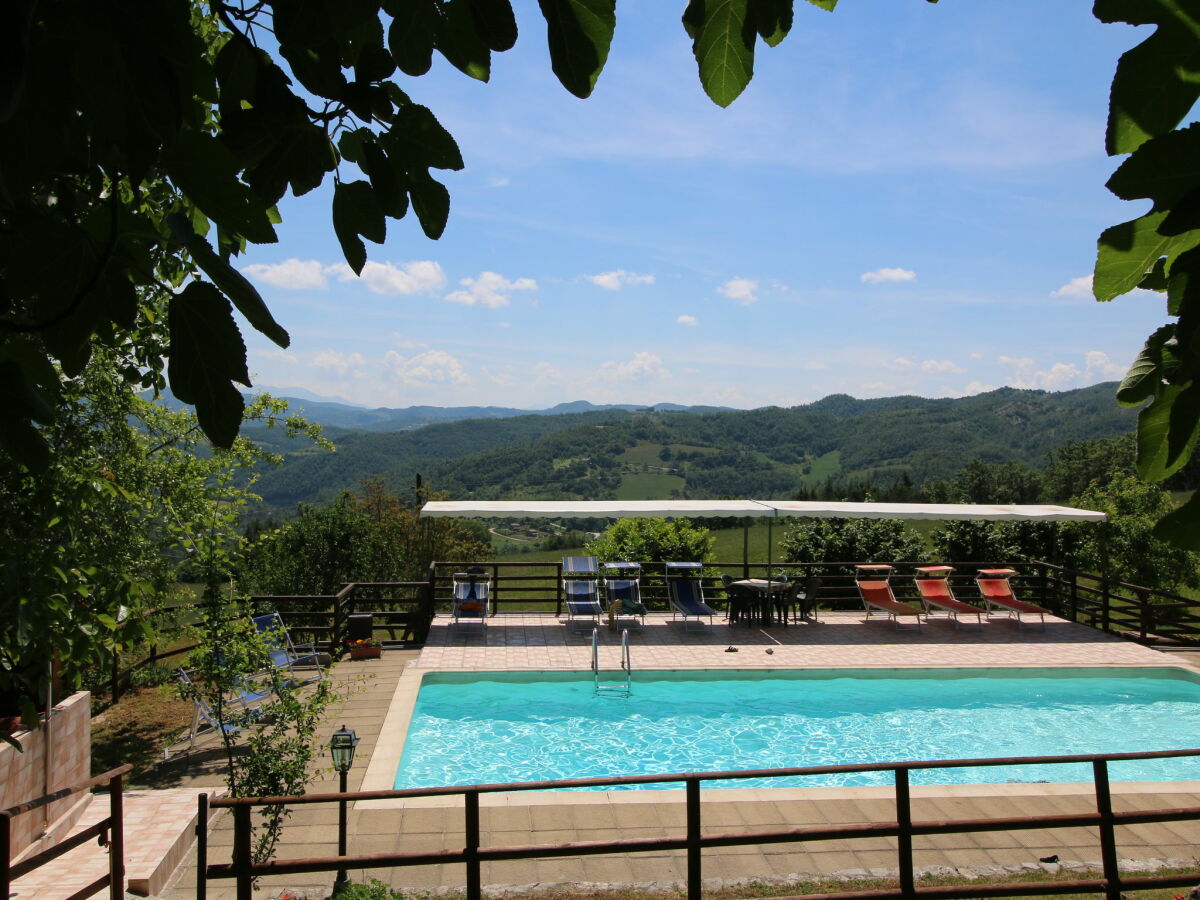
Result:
[[341, 748]]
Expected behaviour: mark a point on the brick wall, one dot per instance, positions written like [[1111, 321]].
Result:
[[23, 774]]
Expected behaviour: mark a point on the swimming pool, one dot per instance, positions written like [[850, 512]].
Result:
[[480, 727]]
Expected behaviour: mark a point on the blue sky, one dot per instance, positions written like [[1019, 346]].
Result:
[[906, 199]]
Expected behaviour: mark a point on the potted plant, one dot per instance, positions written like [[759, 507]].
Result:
[[367, 648]]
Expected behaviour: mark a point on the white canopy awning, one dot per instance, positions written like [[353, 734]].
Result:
[[943, 511], [692, 509], [594, 509]]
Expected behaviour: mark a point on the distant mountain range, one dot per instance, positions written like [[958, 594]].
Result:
[[339, 414], [583, 451]]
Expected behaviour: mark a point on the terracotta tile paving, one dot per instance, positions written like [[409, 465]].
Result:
[[841, 640], [158, 832]]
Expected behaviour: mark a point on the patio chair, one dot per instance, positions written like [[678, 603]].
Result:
[[878, 599], [472, 598], [285, 654], [687, 596], [997, 591], [581, 592], [933, 584], [244, 705], [624, 596]]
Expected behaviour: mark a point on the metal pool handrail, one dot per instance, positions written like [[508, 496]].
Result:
[[694, 841]]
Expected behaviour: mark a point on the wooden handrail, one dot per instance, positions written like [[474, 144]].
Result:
[[694, 841]]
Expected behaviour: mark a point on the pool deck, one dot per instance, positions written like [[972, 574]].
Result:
[[384, 692]]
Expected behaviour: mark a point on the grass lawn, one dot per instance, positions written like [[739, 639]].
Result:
[[648, 485], [138, 728]]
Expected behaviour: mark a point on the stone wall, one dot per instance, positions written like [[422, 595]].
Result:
[[23, 775]]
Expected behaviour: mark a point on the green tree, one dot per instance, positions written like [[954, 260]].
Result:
[[145, 143], [849, 540], [93, 542], [652, 540], [370, 536], [1153, 93], [1127, 546]]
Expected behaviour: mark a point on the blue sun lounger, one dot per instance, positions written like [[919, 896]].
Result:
[[581, 592], [687, 595]]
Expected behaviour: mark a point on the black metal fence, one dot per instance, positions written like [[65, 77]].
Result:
[[1105, 820]]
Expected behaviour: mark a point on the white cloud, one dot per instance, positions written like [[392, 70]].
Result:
[[899, 364], [687, 320], [544, 373], [614, 281], [881, 275], [941, 365], [977, 387], [419, 277], [279, 355], [499, 181], [814, 365], [1027, 375], [291, 274], [1098, 363], [488, 290], [1076, 287], [642, 367], [976, 356], [430, 367], [740, 289], [341, 364]]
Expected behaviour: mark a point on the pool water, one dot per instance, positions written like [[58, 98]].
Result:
[[487, 727]]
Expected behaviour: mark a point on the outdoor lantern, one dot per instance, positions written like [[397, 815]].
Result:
[[341, 748]]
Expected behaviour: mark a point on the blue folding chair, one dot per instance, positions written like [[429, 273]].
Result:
[[581, 592], [472, 598], [285, 654]]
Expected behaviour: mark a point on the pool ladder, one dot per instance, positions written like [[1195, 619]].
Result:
[[619, 689]]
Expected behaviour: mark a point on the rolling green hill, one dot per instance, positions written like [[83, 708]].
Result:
[[770, 452]]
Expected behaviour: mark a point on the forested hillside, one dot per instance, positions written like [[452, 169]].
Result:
[[769, 452]]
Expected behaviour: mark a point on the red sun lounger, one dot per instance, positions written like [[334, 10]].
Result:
[[995, 589], [933, 583], [877, 596]]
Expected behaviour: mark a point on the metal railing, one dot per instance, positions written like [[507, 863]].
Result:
[[110, 831], [694, 841]]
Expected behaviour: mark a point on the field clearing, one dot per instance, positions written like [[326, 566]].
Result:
[[648, 486]]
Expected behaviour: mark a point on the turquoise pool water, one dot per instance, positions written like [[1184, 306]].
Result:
[[480, 727]]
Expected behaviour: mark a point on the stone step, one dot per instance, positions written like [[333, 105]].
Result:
[[159, 830]]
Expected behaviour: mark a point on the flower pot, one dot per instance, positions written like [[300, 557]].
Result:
[[365, 652]]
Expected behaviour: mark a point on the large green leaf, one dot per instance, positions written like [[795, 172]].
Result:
[[207, 356], [496, 23], [458, 40], [431, 203], [1155, 86], [579, 33], [724, 49], [411, 34], [232, 282], [204, 169], [419, 138], [1181, 527], [773, 19], [1167, 431], [1163, 169], [355, 212], [1127, 252], [387, 178], [1143, 376]]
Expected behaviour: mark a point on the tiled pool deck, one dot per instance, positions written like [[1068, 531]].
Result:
[[840, 640]]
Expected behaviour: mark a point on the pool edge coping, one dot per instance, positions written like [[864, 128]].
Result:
[[381, 769]]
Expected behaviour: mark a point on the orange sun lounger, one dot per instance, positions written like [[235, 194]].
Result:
[[877, 596], [933, 583], [995, 589]]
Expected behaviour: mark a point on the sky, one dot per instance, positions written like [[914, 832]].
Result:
[[905, 200]]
